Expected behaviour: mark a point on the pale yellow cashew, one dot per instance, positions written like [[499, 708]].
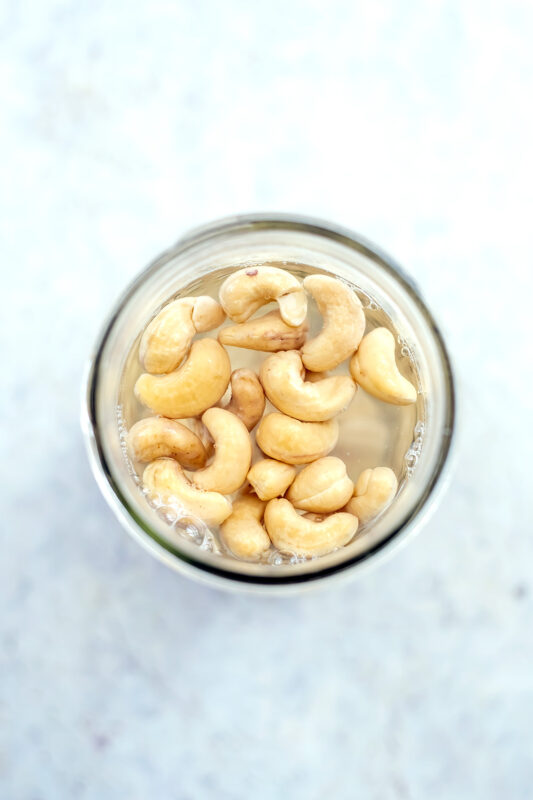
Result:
[[344, 323], [242, 532], [247, 397], [250, 288], [198, 428], [165, 482], [293, 533], [321, 487], [271, 478], [374, 368], [287, 439], [156, 437], [167, 338], [233, 453], [374, 491], [282, 376], [195, 386], [268, 333]]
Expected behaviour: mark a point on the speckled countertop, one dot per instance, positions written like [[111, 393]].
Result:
[[126, 123]]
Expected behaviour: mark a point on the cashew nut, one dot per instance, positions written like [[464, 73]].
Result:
[[374, 368], [233, 453], [374, 491], [242, 532], [250, 288], [167, 338], [195, 386], [156, 437], [344, 323], [282, 375], [293, 533], [271, 478], [321, 487], [268, 333], [247, 397], [287, 439], [165, 481], [197, 427]]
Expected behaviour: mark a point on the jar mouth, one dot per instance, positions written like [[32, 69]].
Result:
[[124, 496]]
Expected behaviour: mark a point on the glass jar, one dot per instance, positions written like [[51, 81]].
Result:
[[222, 246]]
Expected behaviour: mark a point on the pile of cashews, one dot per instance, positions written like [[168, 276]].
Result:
[[198, 464]]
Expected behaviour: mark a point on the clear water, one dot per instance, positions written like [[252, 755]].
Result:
[[372, 433]]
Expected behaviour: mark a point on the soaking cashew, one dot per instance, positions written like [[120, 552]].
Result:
[[282, 376], [247, 397], [374, 368], [321, 487], [248, 289], [233, 453], [294, 442], [268, 333], [374, 491], [271, 478], [242, 532], [197, 427], [344, 323], [156, 437], [293, 533], [167, 338], [195, 386], [165, 481]]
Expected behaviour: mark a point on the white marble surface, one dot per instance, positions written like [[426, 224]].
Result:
[[124, 123]]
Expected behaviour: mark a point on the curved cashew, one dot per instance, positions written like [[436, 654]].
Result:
[[167, 338], [287, 439], [293, 533], [374, 368], [198, 428], [271, 478], [156, 437], [233, 453], [321, 487], [344, 323], [248, 289], [374, 491], [267, 333], [165, 481], [198, 384], [282, 376], [242, 532], [247, 397]]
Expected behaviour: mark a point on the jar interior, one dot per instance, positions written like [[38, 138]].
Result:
[[410, 439]]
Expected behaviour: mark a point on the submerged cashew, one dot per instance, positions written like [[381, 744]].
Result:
[[293, 533], [247, 397], [198, 428], [250, 288], [233, 453], [287, 439], [268, 333], [374, 368], [344, 323], [374, 491], [271, 478], [195, 386], [165, 481], [167, 338], [242, 532], [156, 437], [282, 376], [321, 487]]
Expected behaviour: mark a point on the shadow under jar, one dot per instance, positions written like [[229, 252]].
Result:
[[413, 440]]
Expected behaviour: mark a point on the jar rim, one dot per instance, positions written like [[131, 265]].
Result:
[[221, 574]]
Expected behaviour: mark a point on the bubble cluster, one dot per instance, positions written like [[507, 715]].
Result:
[[413, 454]]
